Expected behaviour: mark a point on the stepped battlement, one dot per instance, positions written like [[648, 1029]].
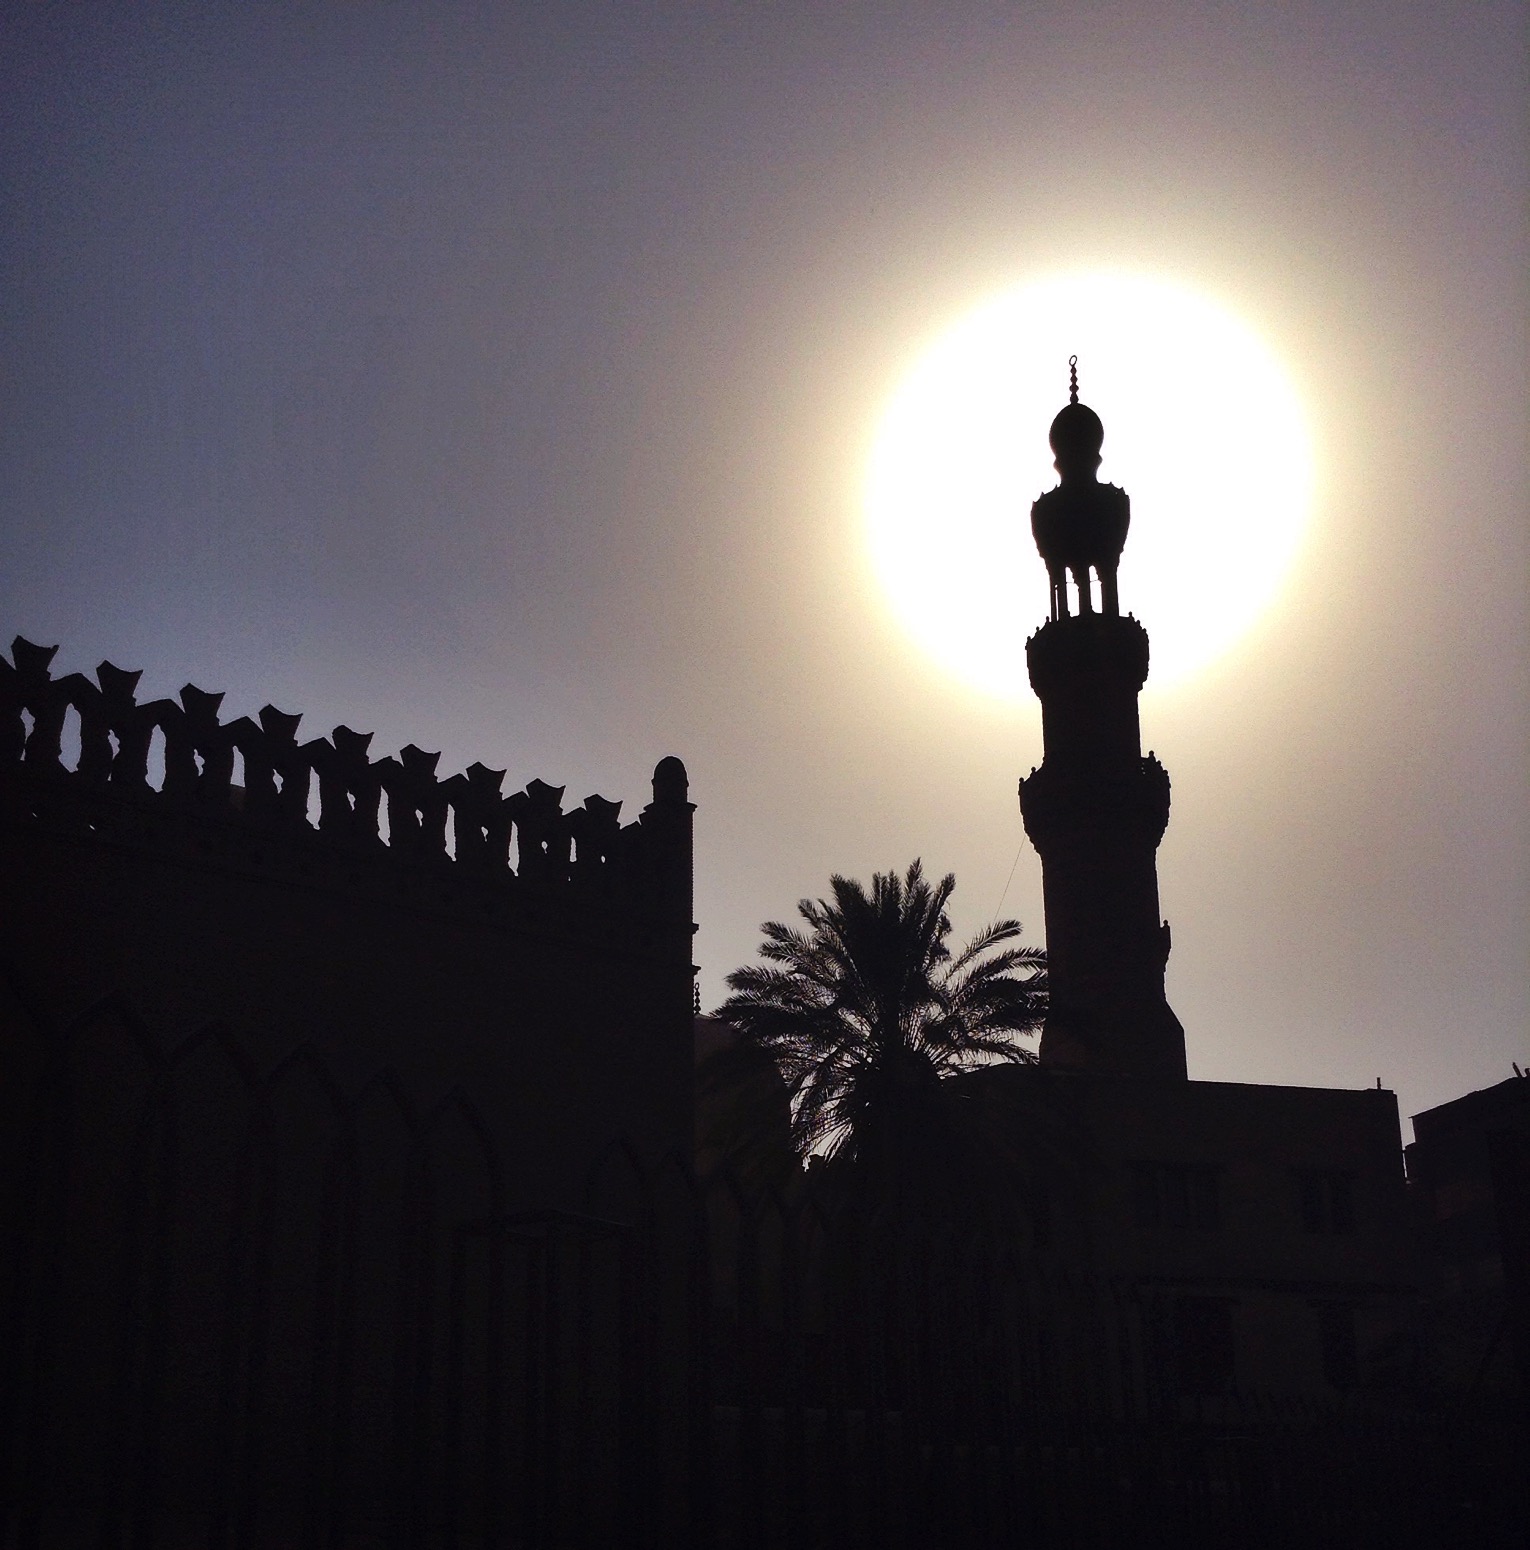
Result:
[[87, 753]]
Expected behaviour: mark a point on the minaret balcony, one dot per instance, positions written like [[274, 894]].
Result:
[[1124, 804]]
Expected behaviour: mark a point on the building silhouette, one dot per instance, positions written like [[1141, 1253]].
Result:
[[1262, 1233], [1469, 1170], [311, 1066], [349, 1145]]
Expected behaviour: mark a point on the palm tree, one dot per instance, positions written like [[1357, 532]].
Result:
[[867, 1010]]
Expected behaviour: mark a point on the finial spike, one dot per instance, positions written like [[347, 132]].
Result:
[[1073, 379]]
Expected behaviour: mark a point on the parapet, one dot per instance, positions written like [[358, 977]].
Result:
[[1124, 805], [1094, 650], [87, 755]]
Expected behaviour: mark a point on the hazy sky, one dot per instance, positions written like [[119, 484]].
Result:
[[500, 378]]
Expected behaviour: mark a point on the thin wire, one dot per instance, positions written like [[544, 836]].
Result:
[[1008, 880]]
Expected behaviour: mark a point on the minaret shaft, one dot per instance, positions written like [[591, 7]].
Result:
[[1095, 811]]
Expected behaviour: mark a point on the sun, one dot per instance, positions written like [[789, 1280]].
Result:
[[1203, 429]]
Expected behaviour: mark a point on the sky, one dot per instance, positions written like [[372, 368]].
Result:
[[502, 379]]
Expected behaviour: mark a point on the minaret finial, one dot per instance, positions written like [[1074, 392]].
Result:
[[1073, 379]]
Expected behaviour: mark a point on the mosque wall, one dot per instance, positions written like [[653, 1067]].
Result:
[[304, 895]]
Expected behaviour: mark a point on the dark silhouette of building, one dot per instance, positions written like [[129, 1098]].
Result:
[[1261, 1233], [311, 1067], [743, 1112], [349, 1187], [1469, 1172], [305, 895]]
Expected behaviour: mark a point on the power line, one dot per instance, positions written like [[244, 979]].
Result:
[[1008, 880]]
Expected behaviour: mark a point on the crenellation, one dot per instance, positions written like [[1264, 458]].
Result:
[[397, 808], [417, 804], [596, 832]]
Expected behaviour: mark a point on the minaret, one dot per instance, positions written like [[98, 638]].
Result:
[[1096, 809]]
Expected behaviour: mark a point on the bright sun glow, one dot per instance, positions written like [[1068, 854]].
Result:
[[1203, 430]]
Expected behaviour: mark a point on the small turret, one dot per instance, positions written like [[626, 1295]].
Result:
[[1081, 525]]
